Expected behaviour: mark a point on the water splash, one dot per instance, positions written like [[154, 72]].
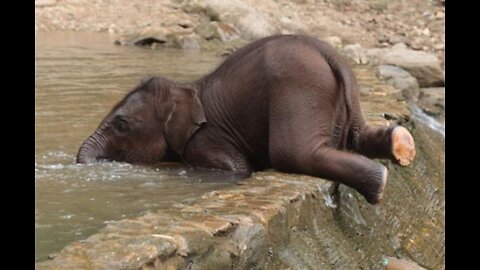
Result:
[[350, 207], [427, 120], [328, 196]]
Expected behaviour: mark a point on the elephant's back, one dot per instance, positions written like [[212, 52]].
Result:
[[296, 69], [283, 59]]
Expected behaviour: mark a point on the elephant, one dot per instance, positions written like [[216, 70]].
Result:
[[287, 102]]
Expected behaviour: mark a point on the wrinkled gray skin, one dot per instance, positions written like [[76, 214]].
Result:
[[288, 102]]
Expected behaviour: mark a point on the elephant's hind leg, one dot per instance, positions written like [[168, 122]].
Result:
[[395, 143], [369, 178], [307, 148], [300, 141]]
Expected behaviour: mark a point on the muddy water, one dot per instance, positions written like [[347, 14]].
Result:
[[78, 78]]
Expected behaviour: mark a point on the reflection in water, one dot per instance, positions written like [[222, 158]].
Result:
[[78, 78]]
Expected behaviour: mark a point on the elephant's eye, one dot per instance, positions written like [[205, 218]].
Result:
[[121, 126]]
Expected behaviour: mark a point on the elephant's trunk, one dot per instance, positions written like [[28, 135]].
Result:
[[92, 149]]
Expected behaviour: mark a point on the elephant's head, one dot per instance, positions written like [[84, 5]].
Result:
[[157, 117]]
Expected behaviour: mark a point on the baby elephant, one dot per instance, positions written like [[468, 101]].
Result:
[[289, 102]]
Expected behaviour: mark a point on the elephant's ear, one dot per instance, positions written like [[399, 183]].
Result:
[[186, 117]]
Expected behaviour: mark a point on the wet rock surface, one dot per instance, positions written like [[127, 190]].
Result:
[[421, 65], [424, 67], [400, 79], [275, 220], [432, 102]]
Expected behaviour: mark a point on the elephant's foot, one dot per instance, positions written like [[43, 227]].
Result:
[[403, 146], [374, 194]]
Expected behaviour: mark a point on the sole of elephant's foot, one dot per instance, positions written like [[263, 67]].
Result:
[[377, 196], [403, 146]]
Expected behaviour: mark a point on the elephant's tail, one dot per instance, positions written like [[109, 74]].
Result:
[[347, 81], [342, 71], [345, 77]]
